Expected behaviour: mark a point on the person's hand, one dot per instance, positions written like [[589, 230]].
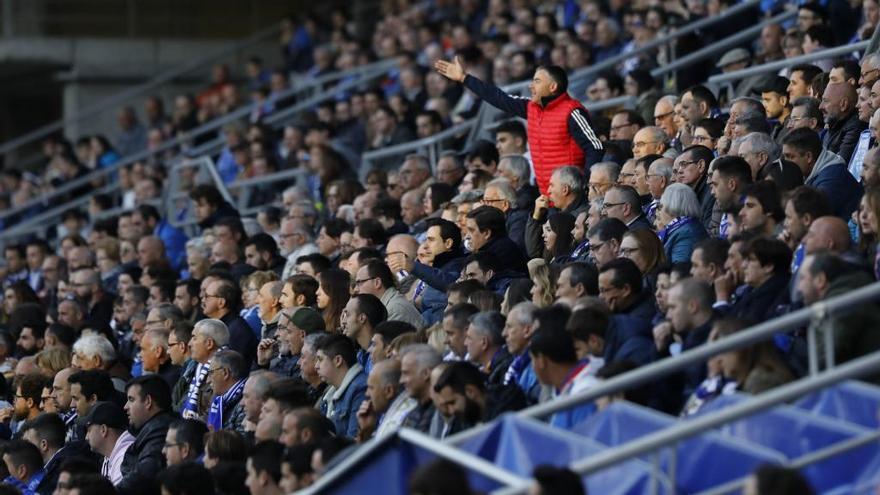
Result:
[[785, 236], [265, 351], [366, 416], [541, 204], [724, 286], [400, 262], [453, 70], [662, 335], [6, 414]]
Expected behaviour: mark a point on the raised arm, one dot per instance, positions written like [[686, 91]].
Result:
[[515, 105]]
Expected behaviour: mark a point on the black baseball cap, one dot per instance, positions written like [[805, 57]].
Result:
[[773, 84], [107, 413]]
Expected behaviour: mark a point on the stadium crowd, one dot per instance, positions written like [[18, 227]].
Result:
[[246, 355]]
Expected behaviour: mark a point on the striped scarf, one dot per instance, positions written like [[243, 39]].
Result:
[[190, 407], [221, 402]]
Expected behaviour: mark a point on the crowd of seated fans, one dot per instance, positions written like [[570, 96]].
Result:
[[248, 355]]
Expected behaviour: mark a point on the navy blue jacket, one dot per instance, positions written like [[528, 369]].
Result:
[[840, 187], [241, 338], [448, 269], [629, 339]]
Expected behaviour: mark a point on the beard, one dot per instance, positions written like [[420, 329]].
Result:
[[24, 352], [472, 413]]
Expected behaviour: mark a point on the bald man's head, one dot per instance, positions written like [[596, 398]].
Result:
[[403, 243], [871, 168], [150, 250], [225, 250], [827, 234], [838, 101]]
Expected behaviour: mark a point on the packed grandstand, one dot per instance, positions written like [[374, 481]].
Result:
[[549, 247]]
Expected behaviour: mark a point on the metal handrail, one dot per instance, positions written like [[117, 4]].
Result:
[[130, 93], [687, 429], [775, 66], [369, 157], [363, 73], [665, 367], [652, 45], [721, 45]]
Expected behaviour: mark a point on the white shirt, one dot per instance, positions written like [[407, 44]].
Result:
[[112, 466]]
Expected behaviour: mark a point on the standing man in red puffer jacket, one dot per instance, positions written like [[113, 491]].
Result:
[[559, 129]]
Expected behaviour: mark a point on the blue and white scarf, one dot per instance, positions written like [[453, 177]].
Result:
[[190, 407], [221, 402], [672, 227]]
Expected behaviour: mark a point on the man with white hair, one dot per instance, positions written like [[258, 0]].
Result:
[[518, 170], [566, 192], [500, 194], [664, 118], [295, 240], [415, 173], [659, 177], [94, 352], [649, 140], [155, 358], [518, 328], [764, 156], [485, 345], [208, 337], [416, 364]]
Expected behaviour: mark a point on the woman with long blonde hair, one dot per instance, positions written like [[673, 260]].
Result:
[[544, 282]]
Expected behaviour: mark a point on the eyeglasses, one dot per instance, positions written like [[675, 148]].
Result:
[[170, 445], [215, 369], [626, 252], [598, 185], [686, 163], [357, 283], [596, 247], [618, 127], [608, 206], [625, 175], [642, 144], [172, 344], [702, 139], [663, 115]]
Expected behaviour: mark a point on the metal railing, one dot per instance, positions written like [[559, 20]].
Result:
[[776, 66], [363, 75], [129, 94], [721, 46], [429, 146]]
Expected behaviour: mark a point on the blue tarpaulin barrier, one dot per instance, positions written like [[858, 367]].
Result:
[[701, 463], [794, 433], [387, 468], [519, 445], [852, 401]]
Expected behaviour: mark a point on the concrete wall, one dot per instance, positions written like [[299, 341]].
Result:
[[93, 69]]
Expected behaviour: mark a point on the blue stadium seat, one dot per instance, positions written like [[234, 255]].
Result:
[[389, 466], [702, 462], [519, 445], [795, 433], [853, 401]]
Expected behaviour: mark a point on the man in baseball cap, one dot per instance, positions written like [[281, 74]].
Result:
[[107, 434], [774, 96]]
